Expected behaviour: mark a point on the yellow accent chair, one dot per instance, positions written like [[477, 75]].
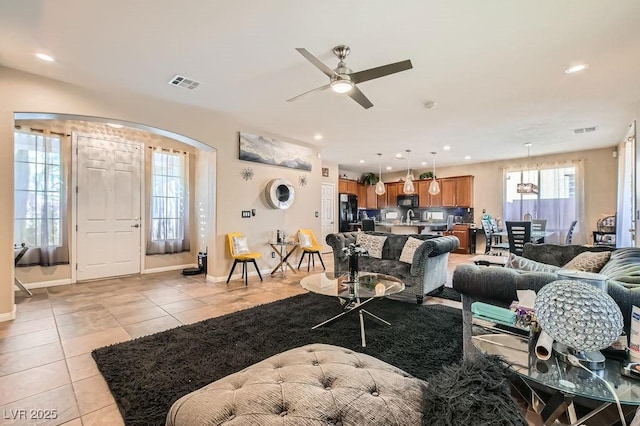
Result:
[[238, 247], [309, 246]]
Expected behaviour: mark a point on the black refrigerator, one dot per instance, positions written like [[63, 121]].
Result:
[[348, 211]]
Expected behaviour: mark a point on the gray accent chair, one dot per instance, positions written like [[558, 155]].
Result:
[[427, 273], [497, 285]]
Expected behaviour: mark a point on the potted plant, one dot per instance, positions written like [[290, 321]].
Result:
[[426, 175], [369, 179]]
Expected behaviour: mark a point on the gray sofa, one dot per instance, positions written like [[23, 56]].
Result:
[[427, 272], [497, 285]]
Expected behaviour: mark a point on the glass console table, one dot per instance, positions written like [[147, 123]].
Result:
[[565, 383]]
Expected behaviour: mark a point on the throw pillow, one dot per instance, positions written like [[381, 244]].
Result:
[[589, 261], [409, 249], [240, 245], [523, 264], [372, 243], [304, 239]]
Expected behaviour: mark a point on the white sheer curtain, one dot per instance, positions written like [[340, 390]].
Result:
[[560, 199], [168, 201], [626, 190], [41, 179]]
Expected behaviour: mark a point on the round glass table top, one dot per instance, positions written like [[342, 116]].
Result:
[[367, 285]]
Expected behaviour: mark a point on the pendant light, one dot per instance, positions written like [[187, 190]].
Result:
[[380, 189], [527, 187], [408, 187], [434, 186]]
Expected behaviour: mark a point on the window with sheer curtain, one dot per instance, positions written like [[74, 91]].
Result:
[[169, 202], [40, 198], [559, 198]]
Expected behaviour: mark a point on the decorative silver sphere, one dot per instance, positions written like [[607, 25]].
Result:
[[578, 315]]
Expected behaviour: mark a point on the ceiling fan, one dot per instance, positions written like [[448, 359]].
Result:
[[343, 80]]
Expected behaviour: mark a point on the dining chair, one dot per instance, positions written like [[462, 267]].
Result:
[[491, 243], [368, 225], [519, 234], [539, 225], [310, 247], [572, 228], [239, 249], [498, 244]]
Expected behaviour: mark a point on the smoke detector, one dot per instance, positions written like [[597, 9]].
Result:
[[184, 82], [585, 130]]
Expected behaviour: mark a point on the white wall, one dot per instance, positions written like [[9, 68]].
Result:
[[23, 92]]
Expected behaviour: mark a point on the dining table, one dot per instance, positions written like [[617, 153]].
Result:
[[535, 235]]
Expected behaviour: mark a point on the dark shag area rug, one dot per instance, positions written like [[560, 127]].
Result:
[[148, 374], [450, 294]]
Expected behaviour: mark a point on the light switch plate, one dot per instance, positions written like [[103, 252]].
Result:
[[246, 213]]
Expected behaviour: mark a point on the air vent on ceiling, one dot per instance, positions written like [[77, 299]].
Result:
[[184, 82], [585, 130]]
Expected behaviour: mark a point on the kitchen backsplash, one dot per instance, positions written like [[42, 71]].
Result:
[[437, 214]]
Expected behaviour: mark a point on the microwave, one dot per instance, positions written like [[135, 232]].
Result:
[[408, 200]]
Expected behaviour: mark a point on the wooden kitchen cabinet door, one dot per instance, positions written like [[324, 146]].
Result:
[[464, 191], [372, 197], [362, 196], [448, 192]]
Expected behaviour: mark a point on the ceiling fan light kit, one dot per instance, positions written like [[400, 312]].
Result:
[[343, 80]]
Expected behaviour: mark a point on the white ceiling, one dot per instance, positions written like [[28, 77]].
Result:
[[494, 67]]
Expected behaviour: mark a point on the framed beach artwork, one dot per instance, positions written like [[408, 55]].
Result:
[[265, 150]]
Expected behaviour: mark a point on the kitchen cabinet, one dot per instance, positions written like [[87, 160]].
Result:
[[393, 190], [347, 186], [371, 196], [457, 191], [362, 196], [424, 198], [467, 236]]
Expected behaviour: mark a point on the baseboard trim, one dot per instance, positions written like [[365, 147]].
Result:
[[8, 316], [169, 268], [43, 284], [264, 272]]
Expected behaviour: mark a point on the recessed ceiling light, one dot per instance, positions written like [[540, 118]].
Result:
[[317, 137], [424, 163], [115, 126], [361, 161], [528, 144], [576, 68], [45, 57], [399, 155], [467, 157], [446, 148], [389, 167]]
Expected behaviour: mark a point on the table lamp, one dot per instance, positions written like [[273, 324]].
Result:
[[581, 317]]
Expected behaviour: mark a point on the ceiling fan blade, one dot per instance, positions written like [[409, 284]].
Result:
[[360, 98], [371, 73], [315, 61], [317, 89]]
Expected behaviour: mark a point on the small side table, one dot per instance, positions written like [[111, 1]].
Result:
[[18, 256], [284, 249]]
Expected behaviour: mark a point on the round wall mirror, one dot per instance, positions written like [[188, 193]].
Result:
[[279, 194]]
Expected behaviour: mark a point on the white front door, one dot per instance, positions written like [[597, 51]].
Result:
[[328, 218], [108, 208]]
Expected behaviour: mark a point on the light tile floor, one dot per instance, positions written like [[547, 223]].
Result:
[[45, 353]]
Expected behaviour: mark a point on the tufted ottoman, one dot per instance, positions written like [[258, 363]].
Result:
[[311, 385]]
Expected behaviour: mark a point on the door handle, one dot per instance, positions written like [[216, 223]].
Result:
[[137, 225]]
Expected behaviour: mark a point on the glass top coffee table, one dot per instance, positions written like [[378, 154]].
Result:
[[564, 381], [353, 295]]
